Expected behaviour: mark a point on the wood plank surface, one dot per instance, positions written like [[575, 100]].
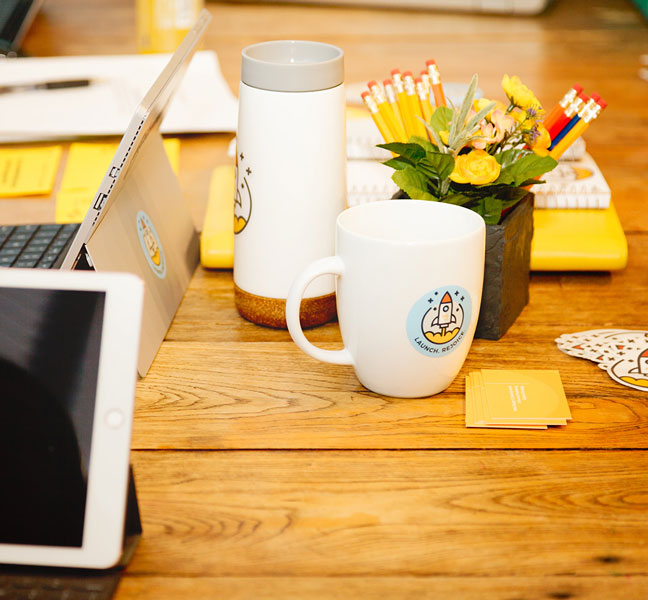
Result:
[[613, 587], [263, 474], [222, 382], [357, 513]]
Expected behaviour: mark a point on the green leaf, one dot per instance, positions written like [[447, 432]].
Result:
[[441, 118], [397, 163], [459, 199], [413, 152], [413, 183], [424, 143], [474, 122], [508, 157], [437, 139], [459, 119], [526, 167], [492, 210], [443, 164]]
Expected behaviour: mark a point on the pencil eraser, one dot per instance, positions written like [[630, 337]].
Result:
[[583, 96], [364, 94], [418, 80], [578, 88], [602, 103], [407, 74], [387, 82], [395, 71], [372, 83], [433, 62], [595, 97]]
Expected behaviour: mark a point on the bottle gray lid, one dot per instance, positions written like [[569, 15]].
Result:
[[292, 66]]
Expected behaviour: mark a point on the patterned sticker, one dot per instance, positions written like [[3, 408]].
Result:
[[151, 245], [438, 321]]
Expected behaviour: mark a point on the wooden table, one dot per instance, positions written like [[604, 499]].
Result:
[[263, 474]]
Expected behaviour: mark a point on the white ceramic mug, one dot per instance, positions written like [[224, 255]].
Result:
[[409, 282]]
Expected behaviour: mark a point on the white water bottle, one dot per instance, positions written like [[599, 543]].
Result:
[[291, 176]]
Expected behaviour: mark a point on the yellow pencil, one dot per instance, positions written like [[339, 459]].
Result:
[[435, 77], [391, 98], [427, 82], [377, 117], [414, 105], [385, 109], [403, 104], [424, 99], [586, 117]]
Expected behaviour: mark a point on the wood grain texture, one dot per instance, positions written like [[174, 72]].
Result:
[[444, 513], [614, 587], [263, 474]]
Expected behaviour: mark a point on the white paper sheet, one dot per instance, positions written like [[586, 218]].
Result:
[[203, 103]]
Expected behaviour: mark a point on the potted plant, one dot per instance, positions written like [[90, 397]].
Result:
[[485, 155]]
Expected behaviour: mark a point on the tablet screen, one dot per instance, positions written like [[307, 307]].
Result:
[[49, 355]]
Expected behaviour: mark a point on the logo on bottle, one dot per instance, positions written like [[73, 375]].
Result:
[[151, 244], [438, 321], [242, 196]]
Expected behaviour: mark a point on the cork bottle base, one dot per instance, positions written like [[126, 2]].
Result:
[[271, 312]]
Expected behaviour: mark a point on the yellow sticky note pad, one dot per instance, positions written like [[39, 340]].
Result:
[[28, 171], [86, 166], [72, 205], [524, 397]]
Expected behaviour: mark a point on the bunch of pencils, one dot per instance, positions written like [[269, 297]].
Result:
[[402, 105], [404, 102], [570, 118]]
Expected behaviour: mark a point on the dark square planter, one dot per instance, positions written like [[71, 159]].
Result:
[[506, 271]]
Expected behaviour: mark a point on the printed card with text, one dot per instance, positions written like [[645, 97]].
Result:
[[514, 390]]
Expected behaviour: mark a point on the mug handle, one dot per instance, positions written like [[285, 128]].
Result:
[[332, 265]]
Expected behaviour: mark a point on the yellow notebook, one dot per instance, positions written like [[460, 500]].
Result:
[[217, 237], [563, 240], [578, 240]]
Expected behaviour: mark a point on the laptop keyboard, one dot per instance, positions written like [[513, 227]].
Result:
[[39, 246], [54, 587]]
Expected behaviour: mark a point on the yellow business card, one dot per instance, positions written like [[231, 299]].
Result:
[[524, 396], [28, 171], [475, 410]]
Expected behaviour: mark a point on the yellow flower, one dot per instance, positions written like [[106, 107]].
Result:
[[541, 142], [483, 102], [477, 168], [519, 94], [444, 135]]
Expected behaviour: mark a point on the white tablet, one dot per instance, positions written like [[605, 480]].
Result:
[[68, 357]]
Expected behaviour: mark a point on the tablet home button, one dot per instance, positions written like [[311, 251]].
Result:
[[114, 418]]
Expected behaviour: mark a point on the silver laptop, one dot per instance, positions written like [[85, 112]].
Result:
[[139, 222]]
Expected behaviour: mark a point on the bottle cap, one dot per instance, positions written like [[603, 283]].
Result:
[[292, 66]]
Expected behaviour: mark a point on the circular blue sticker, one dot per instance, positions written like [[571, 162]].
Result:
[[151, 244], [438, 321]]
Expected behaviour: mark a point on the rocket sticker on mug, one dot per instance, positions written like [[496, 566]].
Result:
[[438, 321], [242, 195]]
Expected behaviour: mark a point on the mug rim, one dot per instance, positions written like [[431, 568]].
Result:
[[476, 220]]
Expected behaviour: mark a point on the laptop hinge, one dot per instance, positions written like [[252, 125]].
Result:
[[84, 262]]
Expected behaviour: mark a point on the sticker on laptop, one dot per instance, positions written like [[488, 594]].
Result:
[[242, 196], [438, 321], [151, 244]]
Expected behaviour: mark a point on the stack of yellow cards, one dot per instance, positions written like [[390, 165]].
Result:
[[515, 399]]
